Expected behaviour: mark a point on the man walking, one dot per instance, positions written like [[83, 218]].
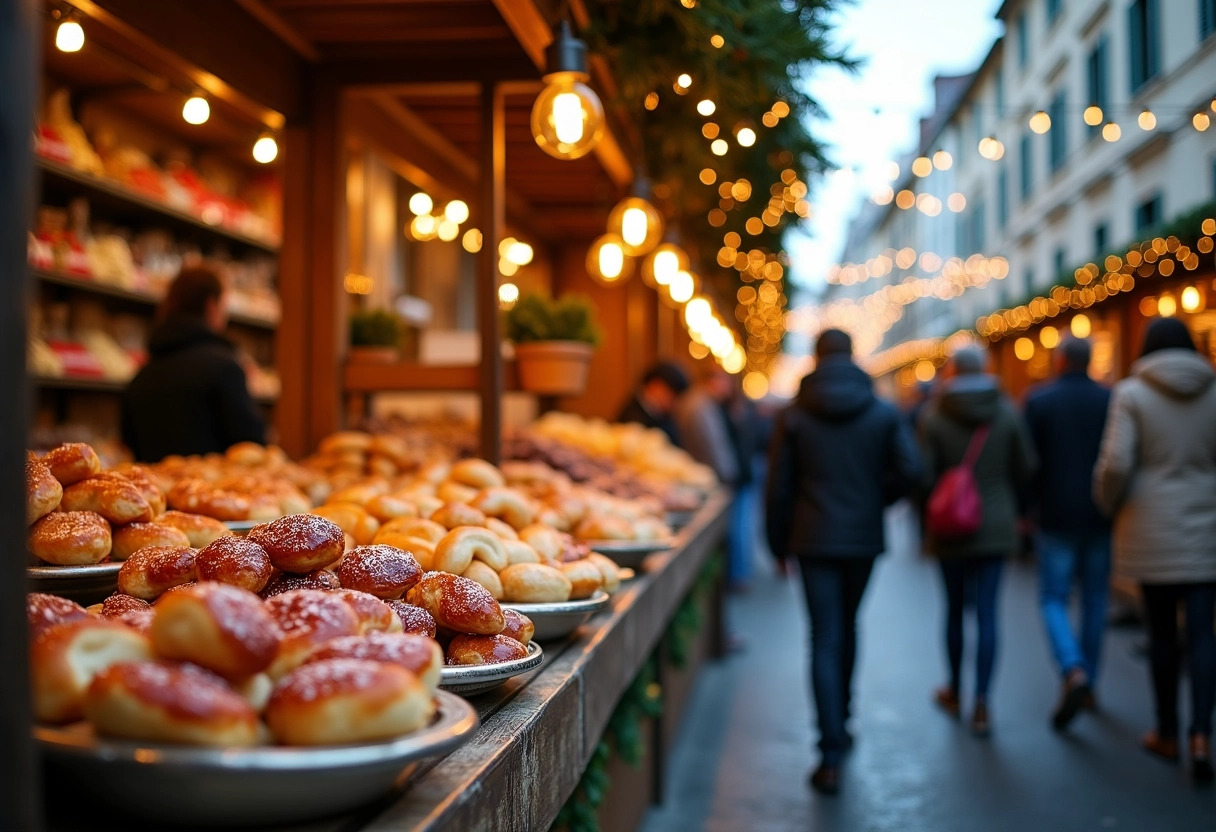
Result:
[[1066, 418], [838, 457], [653, 404]]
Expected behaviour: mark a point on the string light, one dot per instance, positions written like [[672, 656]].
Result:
[[508, 295], [1040, 122], [196, 110], [265, 149], [719, 147], [1093, 115], [746, 137], [421, 203], [956, 202], [1111, 131], [706, 107], [942, 160], [717, 41], [1201, 121], [567, 118], [922, 166], [1147, 120], [684, 81], [652, 101], [457, 211], [69, 36], [471, 241], [606, 260], [991, 148]]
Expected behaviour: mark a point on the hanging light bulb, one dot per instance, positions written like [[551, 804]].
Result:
[[607, 262], [1147, 120], [745, 136], [69, 36], [457, 211], [682, 287], [1201, 121], [1111, 131], [637, 223], [706, 107], [1040, 122], [421, 203], [265, 149], [1093, 115], [196, 110], [567, 118], [663, 263]]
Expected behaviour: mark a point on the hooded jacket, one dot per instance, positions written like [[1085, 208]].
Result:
[[1156, 471], [838, 457], [1004, 467], [190, 398]]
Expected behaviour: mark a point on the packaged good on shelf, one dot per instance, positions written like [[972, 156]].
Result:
[[62, 139]]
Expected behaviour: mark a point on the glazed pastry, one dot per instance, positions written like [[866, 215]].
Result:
[[66, 657], [225, 629], [72, 462], [519, 626], [237, 561], [70, 538], [414, 619], [374, 615], [474, 650], [142, 479], [111, 496], [200, 529], [461, 545], [352, 519], [422, 550], [458, 604], [380, 570], [44, 611], [321, 579], [535, 583], [151, 571], [167, 702], [118, 605], [42, 491], [300, 542], [200, 497], [487, 577], [135, 536], [418, 654], [308, 619], [246, 453], [347, 701]]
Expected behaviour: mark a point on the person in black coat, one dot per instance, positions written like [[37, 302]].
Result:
[[653, 405], [839, 456], [191, 396]]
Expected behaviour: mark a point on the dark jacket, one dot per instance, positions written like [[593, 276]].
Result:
[[839, 456], [635, 411], [1065, 419], [190, 398], [1004, 467]]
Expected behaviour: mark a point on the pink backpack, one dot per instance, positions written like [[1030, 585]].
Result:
[[955, 510]]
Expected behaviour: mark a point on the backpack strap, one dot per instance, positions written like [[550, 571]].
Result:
[[976, 446]]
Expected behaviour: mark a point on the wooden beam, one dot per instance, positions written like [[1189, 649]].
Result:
[[293, 335], [491, 203], [529, 26], [412, 377], [287, 33]]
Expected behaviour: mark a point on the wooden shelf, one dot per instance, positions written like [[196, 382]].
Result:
[[136, 296], [370, 377], [88, 384], [115, 193]]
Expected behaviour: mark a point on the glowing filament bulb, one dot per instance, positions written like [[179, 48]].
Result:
[[612, 261], [568, 117], [634, 226]]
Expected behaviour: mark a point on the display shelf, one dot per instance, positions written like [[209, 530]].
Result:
[[86, 384], [97, 287], [370, 377], [115, 193]]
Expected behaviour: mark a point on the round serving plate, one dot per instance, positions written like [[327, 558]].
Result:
[[680, 519], [479, 678], [560, 618], [213, 787], [86, 584], [242, 526], [629, 553]]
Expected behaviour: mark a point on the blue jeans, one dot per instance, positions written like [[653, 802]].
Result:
[[741, 535], [833, 587], [1061, 558], [977, 579]]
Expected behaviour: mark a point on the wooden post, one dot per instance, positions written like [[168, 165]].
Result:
[[491, 211], [20, 34]]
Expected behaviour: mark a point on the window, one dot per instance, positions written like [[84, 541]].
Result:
[[1059, 131], [1059, 262], [998, 92], [1023, 46], [1207, 18], [1002, 197], [977, 227], [1101, 239], [1026, 166], [1028, 277], [1148, 213], [1142, 30], [1053, 10], [1097, 80]]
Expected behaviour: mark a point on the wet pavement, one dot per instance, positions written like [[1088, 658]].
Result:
[[745, 749]]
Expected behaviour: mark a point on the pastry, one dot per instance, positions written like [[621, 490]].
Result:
[[200, 529], [374, 615], [422, 550], [135, 536], [321, 579], [200, 497], [584, 576], [462, 545], [451, 515], [352, 519], [66, 657], [300, 542], [474, 650], [383, 571], [547, 542], [414, 619], [42, 491], [385, 507], [72, 462], [506, 504], [414, 527], [453, 492], [225, 629], [608, 569], [418, 654], [535, 583], [109, 495], [487, 577], [308, 619], [140, 477], [150, 571], [519, 626], [520, 552], [44, 611], [476, 473], [166, 702], [70, 538], [235, 560], [118, 605], [458, 604]]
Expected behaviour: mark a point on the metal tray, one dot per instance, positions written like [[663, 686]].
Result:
[[479, 678], [243, 786], [560, 619], [679, 519], [243, 526], [629, 553], [87, 584]]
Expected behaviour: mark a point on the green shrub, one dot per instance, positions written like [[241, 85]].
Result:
[[375, 328], [535, 317]]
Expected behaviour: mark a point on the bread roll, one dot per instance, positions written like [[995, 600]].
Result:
[[476, 473], [535, 583], [308, 619], [321, 579], [44, 611], [414, 619], [519, 626], [118, 605], [462, 545], [249, 454], [135, 536], [374, 615], [70, 538], [200, 497], [149, 572], [418, 654], [352, 519], [584, 576], [458, 604], [385, 507], [72, 462], [300, 542], [547, 542], [145, 482], [427, 530], [380, 570], [201, 530], [608, 569], [451, 515], [347, 701], [359, 494], [42, 491], [422, 550], [347, 440], [485, 576], [453, 492], [173, 703], [507, 504], [66, 657], [237, 561], [520, 552], [474, 650], [503, 530], [225, 629]]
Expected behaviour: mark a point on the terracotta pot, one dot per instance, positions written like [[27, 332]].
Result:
[[373, 355], [554, 368]]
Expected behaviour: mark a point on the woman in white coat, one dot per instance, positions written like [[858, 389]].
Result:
[[1156, 474]]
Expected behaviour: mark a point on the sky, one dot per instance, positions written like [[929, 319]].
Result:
[[872, 116]]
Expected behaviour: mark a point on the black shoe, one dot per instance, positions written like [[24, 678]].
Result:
[[981, 725], [1201, 759], [826, 780], [1076, 692]]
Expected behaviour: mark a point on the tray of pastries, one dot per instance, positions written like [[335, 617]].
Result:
[[629, 553], [500, 659], [561, 618]]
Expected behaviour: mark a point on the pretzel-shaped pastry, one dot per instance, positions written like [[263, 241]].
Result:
[[461, 545], [507, 504]]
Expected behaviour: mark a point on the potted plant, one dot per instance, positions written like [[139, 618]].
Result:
[[375, 335], [554, 341]]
